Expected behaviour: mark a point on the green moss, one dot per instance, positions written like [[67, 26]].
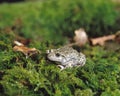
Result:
[[38, 76]]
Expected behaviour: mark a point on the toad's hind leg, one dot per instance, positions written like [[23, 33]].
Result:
[[82, 59]]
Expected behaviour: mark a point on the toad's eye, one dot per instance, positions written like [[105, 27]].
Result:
[[57, 54]]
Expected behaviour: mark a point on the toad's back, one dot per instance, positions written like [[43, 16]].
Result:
[[67, 52]]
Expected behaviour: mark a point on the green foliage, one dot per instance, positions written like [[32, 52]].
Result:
[[97, 16], [52, 18], [29, 24]]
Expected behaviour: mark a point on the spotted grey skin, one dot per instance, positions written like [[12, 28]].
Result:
[[67, 57]]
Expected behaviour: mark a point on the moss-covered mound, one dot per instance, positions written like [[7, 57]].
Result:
[[36, 76]]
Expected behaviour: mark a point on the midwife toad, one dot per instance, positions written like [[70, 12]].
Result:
[[67, 57]]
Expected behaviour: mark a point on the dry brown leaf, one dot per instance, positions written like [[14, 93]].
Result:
[[18, 43], [117, 37], [25, 50], [80, 37], [101, 40]]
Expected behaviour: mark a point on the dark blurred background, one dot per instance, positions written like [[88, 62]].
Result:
[[10, 1]]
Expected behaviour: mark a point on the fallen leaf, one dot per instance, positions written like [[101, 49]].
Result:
[[117, 37], [101, 40], [25, 50], [80, 37], [18, 43]]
